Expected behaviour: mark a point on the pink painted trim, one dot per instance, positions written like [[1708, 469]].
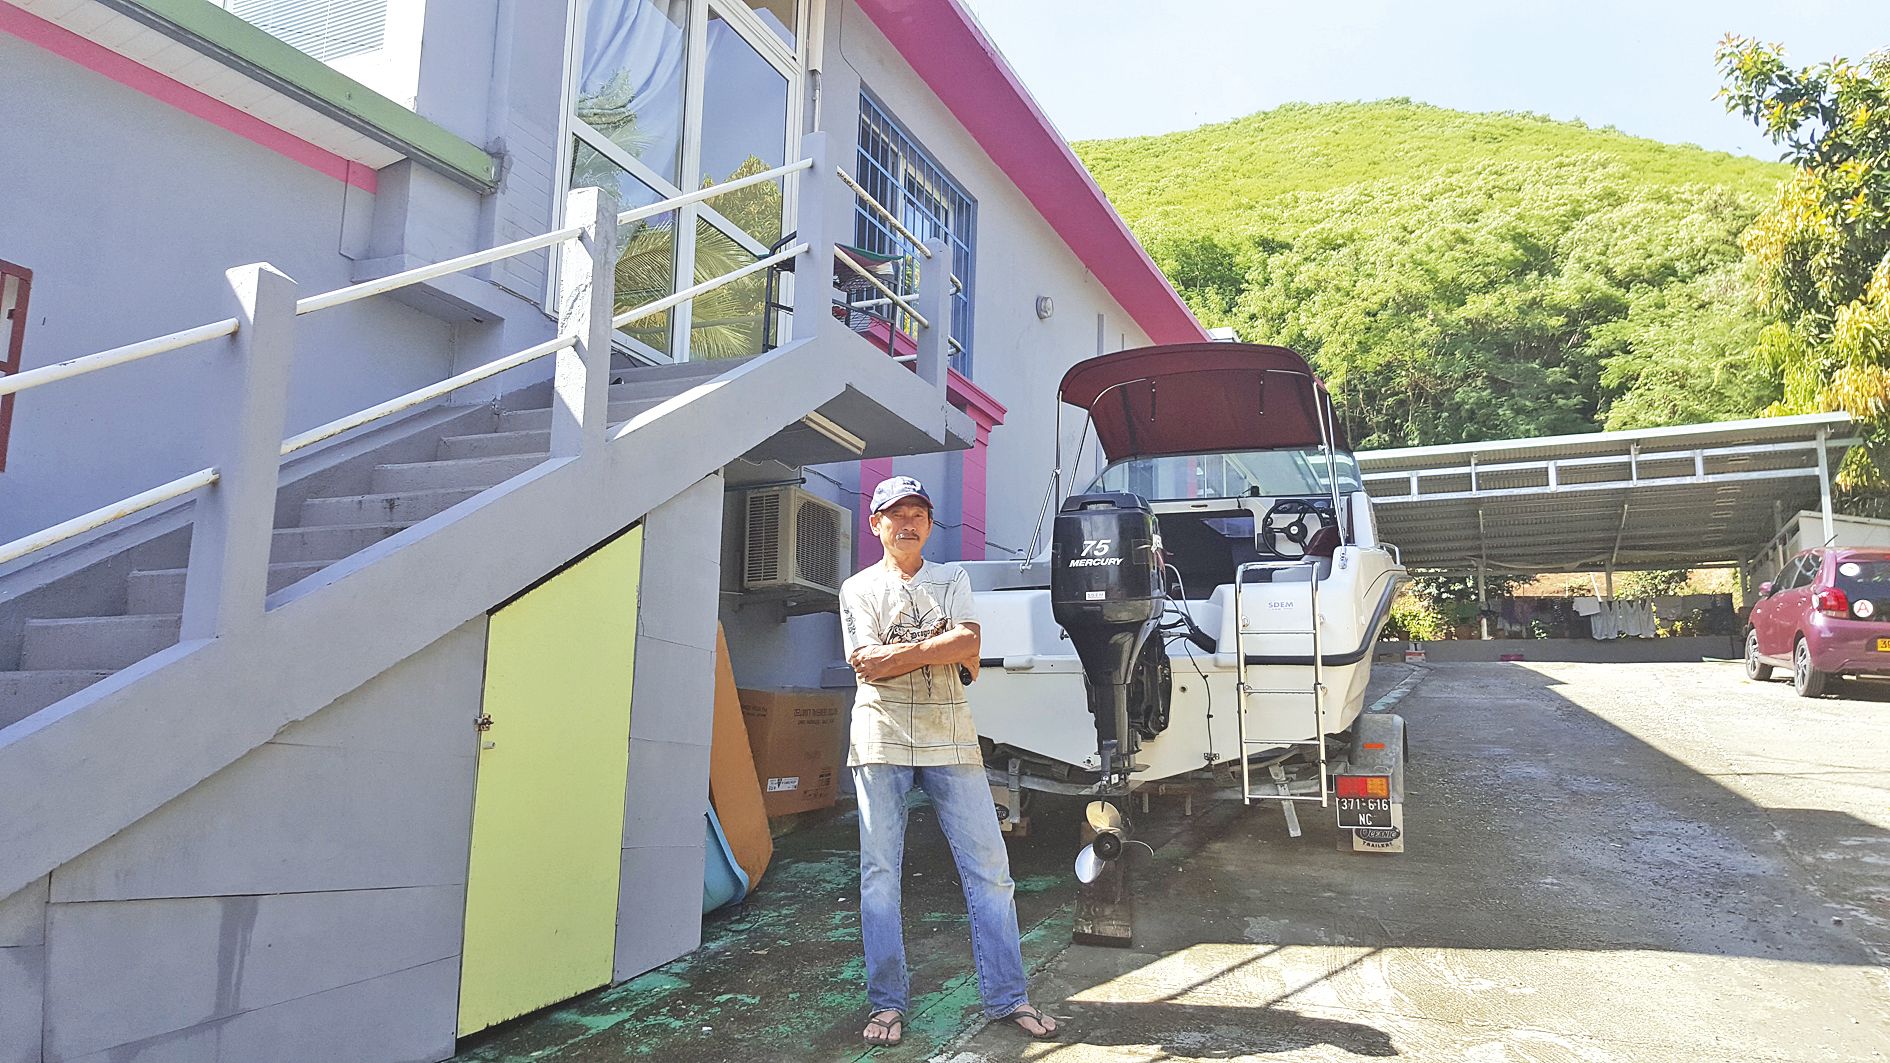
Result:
[[961, 66], [985, 411], [971, 504], [102, 60]]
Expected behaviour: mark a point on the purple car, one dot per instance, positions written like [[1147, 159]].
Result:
[[1826, 614]]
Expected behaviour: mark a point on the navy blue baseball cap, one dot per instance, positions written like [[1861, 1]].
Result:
[[897, 488]]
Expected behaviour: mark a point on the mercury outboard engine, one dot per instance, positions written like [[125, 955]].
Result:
[[1106, 591]]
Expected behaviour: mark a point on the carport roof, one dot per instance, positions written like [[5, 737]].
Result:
[[1686, 496]]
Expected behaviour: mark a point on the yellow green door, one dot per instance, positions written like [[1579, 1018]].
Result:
[[547, 837]]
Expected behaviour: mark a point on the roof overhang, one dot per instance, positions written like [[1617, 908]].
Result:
[[949, 51], [251, 84], [1199, 398], [1687, 496]]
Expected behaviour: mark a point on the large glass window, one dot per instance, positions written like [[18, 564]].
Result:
[[779, 16], [646, 268], [897, 172], [744, 129], [668, 95], [630, 82]]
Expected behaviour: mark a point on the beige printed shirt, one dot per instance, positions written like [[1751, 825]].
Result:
[[919, 719]]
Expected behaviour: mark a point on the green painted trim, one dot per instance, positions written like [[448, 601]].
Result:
[[224, 36]]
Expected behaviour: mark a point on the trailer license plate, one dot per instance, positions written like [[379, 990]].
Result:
[[1883, 645], [1364, 811]]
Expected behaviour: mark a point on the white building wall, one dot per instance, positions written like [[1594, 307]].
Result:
[[127, 211], [1017, 357]]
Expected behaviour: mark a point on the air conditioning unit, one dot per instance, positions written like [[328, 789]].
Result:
[[796, 545]]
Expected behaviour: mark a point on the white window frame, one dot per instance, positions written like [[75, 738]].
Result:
[[788, 62]]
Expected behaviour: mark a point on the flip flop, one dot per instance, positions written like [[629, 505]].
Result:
[[890, 1037], [1028, 1012]]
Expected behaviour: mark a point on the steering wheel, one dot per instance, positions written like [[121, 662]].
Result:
[[1287, 520]]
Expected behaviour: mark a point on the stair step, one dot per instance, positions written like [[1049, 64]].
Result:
[[479, 473], [672, 378], [399, 507], [94, 642], [660, 388], [161, 590], [24, 693], [326, 544], [492, 444], [524, 420]]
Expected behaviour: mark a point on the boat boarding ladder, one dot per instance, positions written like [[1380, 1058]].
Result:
[[1283, 789]]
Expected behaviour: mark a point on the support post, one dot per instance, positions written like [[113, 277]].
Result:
[[935, 304], [587, 271], [813, 272], [235, 518], [1483, 604], [1824, 485]]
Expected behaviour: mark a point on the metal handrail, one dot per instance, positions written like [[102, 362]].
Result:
[[395, 281], [90, 363], [898, 226], [693, 291], [880, 209], [701, 194], [897, 299], [130, 352], [103, 515], [420, 395]]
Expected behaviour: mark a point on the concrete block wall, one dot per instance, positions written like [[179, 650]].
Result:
[[22, 973], [671, 713], [306, 903]]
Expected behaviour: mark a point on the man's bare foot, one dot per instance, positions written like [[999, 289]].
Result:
[[1033, 1022], [884, 1028]]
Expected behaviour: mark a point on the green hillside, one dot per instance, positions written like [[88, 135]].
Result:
[[1462, 276]]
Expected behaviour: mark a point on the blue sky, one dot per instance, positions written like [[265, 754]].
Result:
[[1104, 68]]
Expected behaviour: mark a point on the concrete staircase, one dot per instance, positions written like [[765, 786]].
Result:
[[61, 656]]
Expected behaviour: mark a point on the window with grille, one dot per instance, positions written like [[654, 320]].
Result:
[[903, 177]]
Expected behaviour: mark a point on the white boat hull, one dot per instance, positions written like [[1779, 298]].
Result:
[[1030, 695]]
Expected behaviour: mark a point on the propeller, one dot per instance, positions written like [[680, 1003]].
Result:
[[1106, 820]]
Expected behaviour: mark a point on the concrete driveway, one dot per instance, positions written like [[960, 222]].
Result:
[[1608, 862]]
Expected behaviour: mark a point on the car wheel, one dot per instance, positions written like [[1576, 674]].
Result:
[[1806, 680], [1756, 670]]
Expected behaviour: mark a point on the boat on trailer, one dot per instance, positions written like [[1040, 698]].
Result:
[[1206, 614]]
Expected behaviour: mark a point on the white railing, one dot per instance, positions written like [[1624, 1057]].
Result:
[[234, 516], [929, 249]]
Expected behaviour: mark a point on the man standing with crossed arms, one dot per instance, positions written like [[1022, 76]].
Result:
[[910, 631]]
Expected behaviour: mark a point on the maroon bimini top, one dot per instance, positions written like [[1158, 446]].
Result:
[[1198, 398]]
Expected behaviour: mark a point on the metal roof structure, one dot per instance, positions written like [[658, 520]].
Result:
[[1689, 496]]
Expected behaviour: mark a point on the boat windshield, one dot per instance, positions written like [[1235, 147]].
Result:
[[1289, 472]]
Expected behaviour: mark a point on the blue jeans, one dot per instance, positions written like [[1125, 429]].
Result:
[[965, 812]]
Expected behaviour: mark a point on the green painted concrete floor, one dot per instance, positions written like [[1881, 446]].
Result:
[[782, 978]]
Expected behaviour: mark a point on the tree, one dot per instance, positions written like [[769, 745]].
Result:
[[1497, 275], [1653, 583], [1820, 255]]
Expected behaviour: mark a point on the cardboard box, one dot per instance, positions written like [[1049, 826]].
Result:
[[796, 739]]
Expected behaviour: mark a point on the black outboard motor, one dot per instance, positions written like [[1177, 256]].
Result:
[[1106, 591]]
